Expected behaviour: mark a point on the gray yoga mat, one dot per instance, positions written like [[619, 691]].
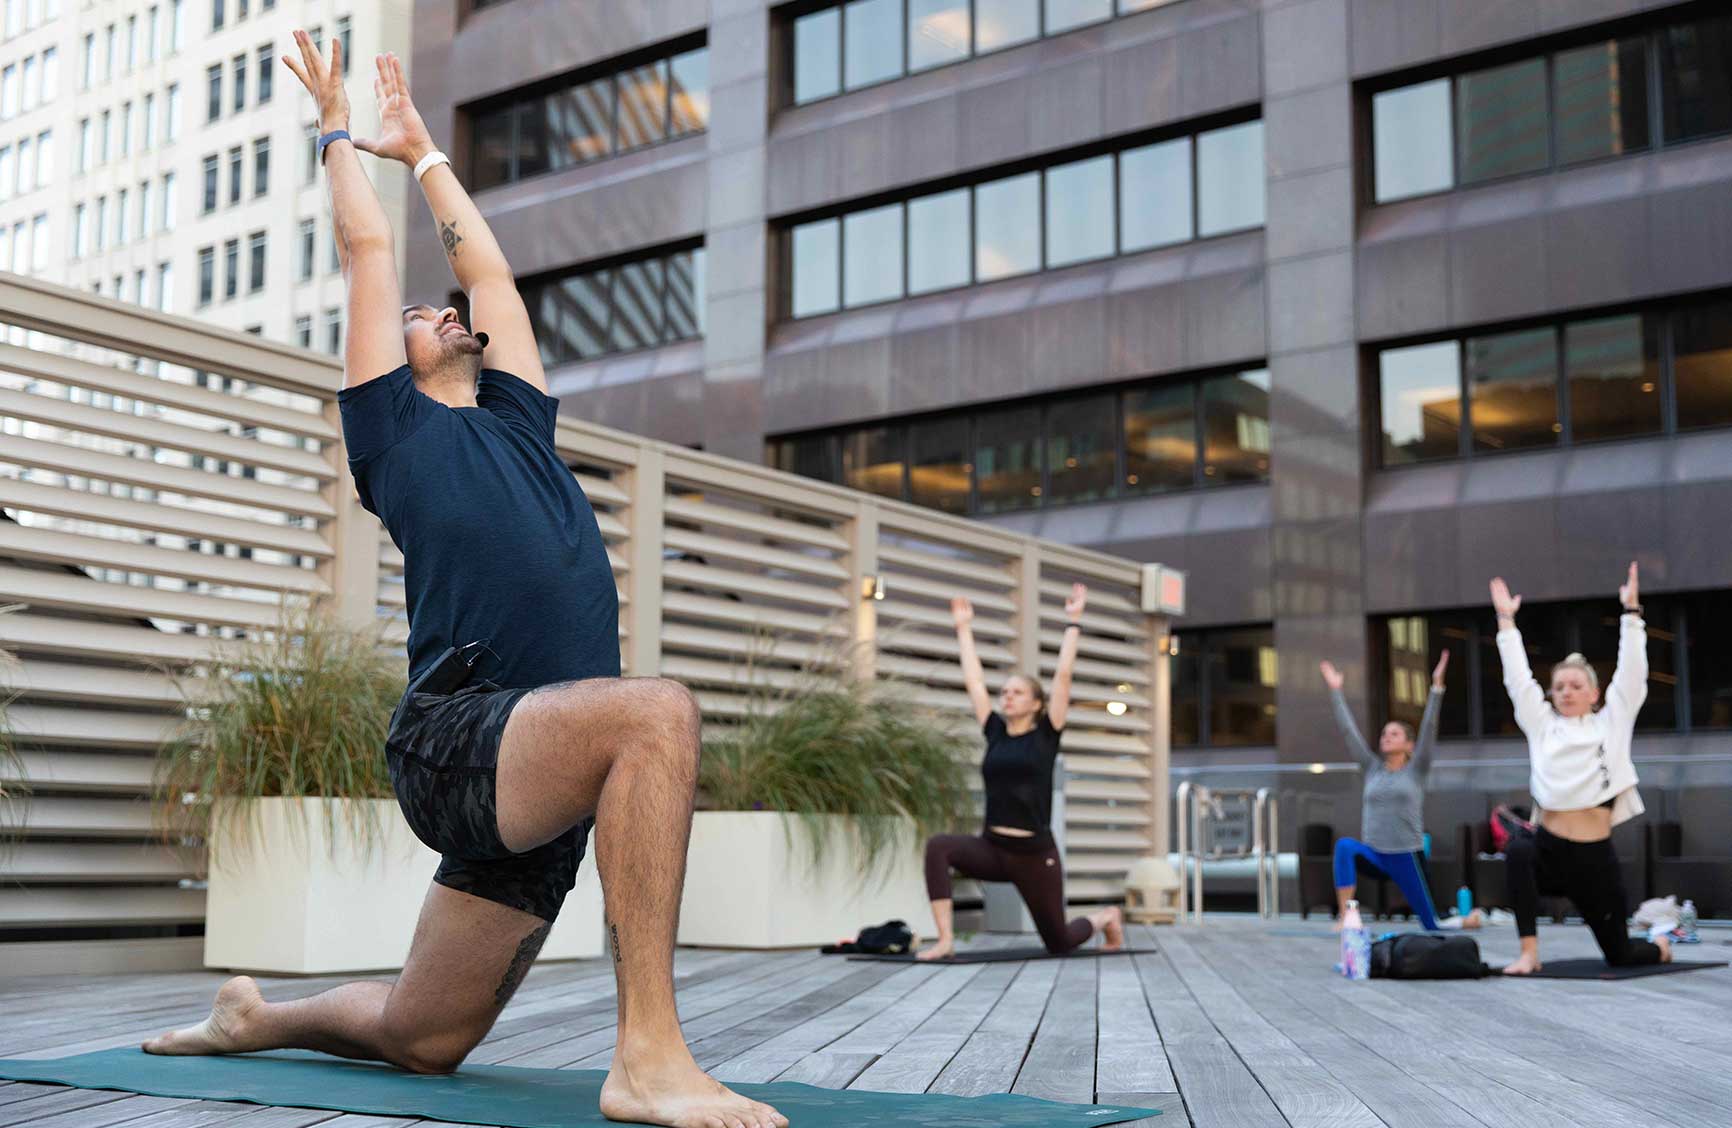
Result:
[[513, 1097], [1599, 969], [1000, 955]]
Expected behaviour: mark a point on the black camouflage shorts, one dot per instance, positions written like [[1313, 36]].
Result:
[[443, 751]]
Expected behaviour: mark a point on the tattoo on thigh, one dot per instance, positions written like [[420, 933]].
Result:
[[613, 932], [520, 961], [448, 236]]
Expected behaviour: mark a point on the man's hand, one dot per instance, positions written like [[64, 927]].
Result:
[[324, 81], [403, 135]]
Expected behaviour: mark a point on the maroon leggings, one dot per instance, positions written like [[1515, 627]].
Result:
[[1030, 864]]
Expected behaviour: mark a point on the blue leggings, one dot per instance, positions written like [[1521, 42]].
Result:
[[1407, 870]]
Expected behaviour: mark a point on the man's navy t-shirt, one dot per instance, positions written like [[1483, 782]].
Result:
[[499, 543]]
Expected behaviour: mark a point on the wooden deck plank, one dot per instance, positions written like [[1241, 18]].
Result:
[[1060, 1065], [773, 1055], [988, 1062], [1130, 1057], [915, 1062], [55, 1103], [828, 1070]]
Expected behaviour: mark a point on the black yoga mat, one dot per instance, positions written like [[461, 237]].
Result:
[[515, 1097], [1599, 969], [1000, 955]]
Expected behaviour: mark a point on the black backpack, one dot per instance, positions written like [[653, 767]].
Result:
[[892, 938], [1426, 955]]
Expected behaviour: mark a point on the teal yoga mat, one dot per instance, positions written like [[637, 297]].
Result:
[[513, 1097]]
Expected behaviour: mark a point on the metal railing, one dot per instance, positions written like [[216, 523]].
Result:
[[167, 484], [1200, 818]]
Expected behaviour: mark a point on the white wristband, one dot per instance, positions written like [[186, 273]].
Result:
[[428, 161]]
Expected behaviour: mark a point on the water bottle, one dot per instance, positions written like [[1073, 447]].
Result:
[[1464, 901], [1355, 944], [1687, 921]]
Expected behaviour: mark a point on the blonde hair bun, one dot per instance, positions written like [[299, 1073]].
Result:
[[1579, 662]]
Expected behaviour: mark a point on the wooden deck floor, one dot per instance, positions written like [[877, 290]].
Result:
[[1238, 1023]]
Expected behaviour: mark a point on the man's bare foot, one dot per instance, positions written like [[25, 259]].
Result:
[[1113, 928], [677, 1094], [1473, 920], [942, 950], [225, 1031], [1527, 964], [1664, 943]]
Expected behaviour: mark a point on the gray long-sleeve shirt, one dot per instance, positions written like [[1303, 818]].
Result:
[[1394, 820]]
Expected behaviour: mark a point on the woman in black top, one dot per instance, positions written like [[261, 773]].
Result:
[[1021, 745]]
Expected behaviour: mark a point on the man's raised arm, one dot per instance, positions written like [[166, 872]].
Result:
[[363, 232], [495, 307]]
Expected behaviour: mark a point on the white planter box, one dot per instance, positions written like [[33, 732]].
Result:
[[287, 899], [749, 885]]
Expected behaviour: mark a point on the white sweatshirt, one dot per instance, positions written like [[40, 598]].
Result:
[[1580, 762]]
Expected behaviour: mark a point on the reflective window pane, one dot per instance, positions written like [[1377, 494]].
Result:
[[1230, 179], [531, 139], [938, 465], [1187, 692], [685, 294], [872, 255], [1007, 459], [1079, 211], [1543, 629], [1696, 78], [1702, 364], [1236, 428], [541, 301], [1599, 625], [1411, 140], [938, 242], [1242, 673], [872, 38], [580, 123], [1155, 195], [1161, 438], [1709, 651], [1600, 95], [1062, 15], [872, 461], [817, 279], [1512, 381], [817, 55], [1613, 365], [812, 456], [937, 32], [1005, 23], [643, 105], [637, 305], [1081, 442], [1500, 121], [1421, 400], [689, 88], [1007, 227], [492, 151], [583, 315]]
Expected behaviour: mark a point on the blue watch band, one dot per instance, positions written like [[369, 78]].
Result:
[[335, 135]]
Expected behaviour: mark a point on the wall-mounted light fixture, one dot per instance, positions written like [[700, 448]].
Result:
[[1172, 645], [1117, 708], [872, 587]]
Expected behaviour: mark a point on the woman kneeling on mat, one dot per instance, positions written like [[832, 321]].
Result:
[[1583, 783], [1392, 822], [1021, 746]]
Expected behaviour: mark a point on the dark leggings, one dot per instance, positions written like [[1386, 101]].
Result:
[[1030, 864], [1585, 872]]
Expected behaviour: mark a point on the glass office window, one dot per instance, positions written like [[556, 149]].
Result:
[[584, 306], [1081, 448], [816, 268], [643, 104], [872, 41], [1161, 438], [1696, 79], [1242, 674], [1007, 459], [1236, 428], [1412, 140], [938, 464], [1598, 628], [811, 456], [1079, 211], [817, 55], [1709, 654], [937, 32], [872, 461], [492, 147], [580, 123], [938, 242], [1702, 364], [1500, 121], [1155, 195], [1005, 23], [1062, 15], [685, 298], [637, 305], [1421, 402], [689, 92], [1544, 636], [1007, 227], [1230, 179], [1512, 381], [1186, 674], [206, 274], [872, 255], [1600, 99], [1613, 368]]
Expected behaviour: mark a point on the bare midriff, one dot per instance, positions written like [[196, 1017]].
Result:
[[1011, 831], [1591, 825]]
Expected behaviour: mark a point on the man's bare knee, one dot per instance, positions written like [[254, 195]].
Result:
[[439, 1051], [672, 716]]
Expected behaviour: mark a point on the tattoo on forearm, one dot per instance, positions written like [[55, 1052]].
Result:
[[448, 236], [525, 955], [613, 932]]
